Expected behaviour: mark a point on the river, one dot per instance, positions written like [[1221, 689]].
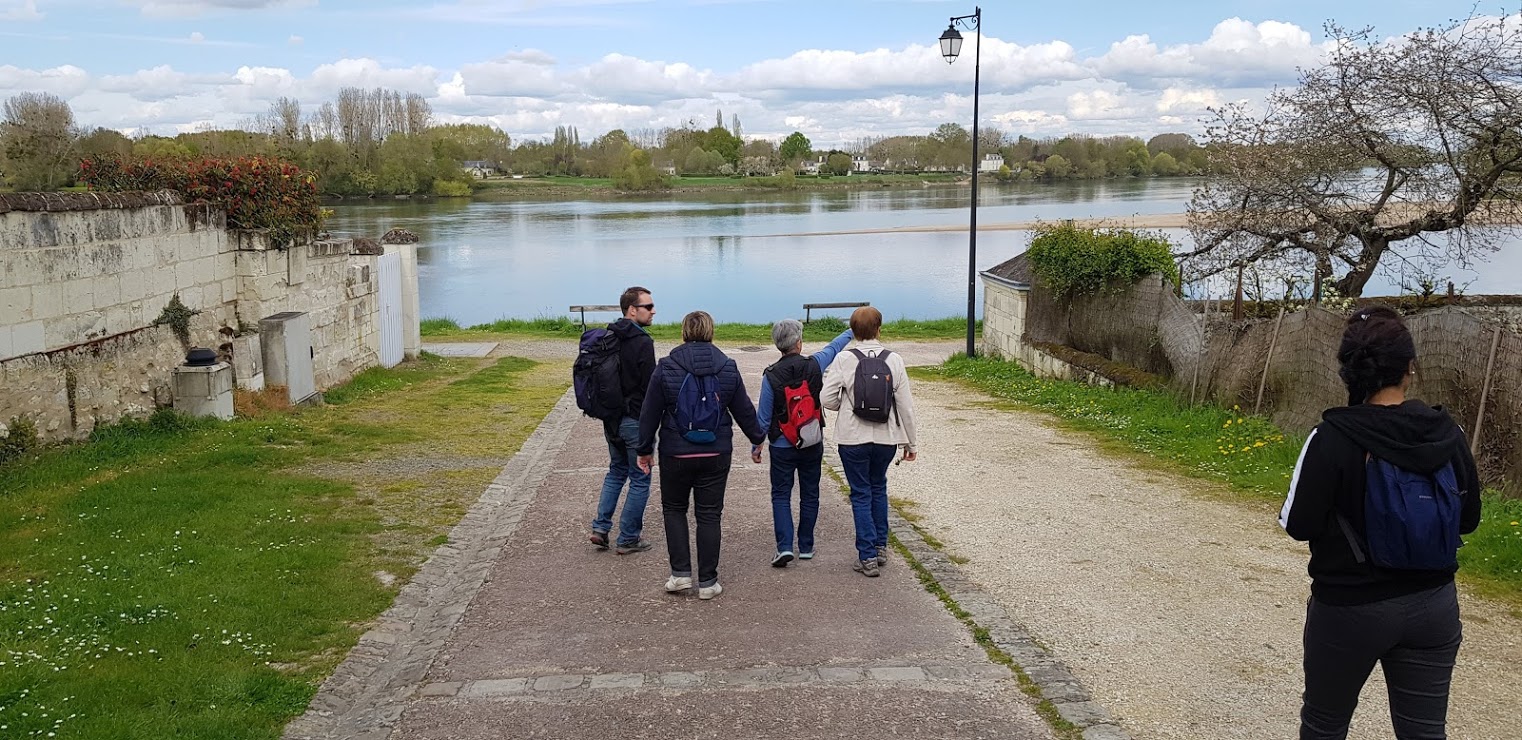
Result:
[[748, 256]]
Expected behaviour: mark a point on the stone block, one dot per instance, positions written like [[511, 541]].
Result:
[[1105, 732], [184, 275], [832, 673], [559, 683], [16, 305], [28, 338], [5, 343], [618, 681], [680, 679], [910, 673], [496, 687], [47, 301], [77, 296], [1083, 713], [204, 391], [105, 291]]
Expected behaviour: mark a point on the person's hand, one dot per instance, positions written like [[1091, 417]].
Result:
[[755, 453], [646, 462]]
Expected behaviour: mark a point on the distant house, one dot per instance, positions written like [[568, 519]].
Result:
[[860, 163], [991, 162], [480, 168], [812, 167], [668, 169]]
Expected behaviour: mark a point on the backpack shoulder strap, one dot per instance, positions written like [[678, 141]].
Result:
[[1347, 531]]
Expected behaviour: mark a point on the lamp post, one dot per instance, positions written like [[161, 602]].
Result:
[[951, 47]]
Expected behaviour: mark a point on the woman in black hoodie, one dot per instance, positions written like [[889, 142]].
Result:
[[1381, 591]]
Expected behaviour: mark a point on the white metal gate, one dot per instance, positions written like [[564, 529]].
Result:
[[389, 267]]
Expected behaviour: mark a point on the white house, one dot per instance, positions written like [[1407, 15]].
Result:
[[860, 163], [480, 168], [991, 162]]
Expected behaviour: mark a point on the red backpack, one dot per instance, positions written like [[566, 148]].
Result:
[[801, 426]]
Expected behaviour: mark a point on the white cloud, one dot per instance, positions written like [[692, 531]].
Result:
[[295, 40], [65, 81], [19, 10], [1238, 52], [197, 37], [191, 8], [834, 96]]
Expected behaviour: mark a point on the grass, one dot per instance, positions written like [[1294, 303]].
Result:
[[1247, 454], [192, 578], [819, 330]]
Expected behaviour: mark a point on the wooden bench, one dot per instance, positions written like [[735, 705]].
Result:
[[807, 307], [584, 309]]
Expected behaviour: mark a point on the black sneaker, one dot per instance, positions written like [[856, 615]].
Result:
[[782, 559], [633, 547], [600, 539]]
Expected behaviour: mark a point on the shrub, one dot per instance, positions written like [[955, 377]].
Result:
[[451, 188], [254, 192], [1073, 260], [18, 438]]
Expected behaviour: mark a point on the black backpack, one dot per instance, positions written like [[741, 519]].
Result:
[[597, 377], [873, 393]]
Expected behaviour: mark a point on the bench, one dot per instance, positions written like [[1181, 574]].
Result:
[[584, 309], [807, 307]]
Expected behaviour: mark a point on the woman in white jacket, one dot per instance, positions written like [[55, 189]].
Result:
[[874, 421]]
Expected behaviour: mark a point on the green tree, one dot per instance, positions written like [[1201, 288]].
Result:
[[638, 173], [104, 142], [1164, 165], [1058, 167], [38, 141], [719, 139], [796, 148], [838, 163]]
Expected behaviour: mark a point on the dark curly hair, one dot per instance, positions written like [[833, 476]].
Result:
[[1376, 352]]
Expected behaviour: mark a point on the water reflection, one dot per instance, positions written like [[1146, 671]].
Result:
[[745, 256]]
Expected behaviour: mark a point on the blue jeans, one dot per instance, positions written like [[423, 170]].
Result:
[[866, 469], [622, 459], [806, 463]]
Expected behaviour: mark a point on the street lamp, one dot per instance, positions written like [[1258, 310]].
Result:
[[951, 47]]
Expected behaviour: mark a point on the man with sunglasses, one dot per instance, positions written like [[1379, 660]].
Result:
[[636, 364]]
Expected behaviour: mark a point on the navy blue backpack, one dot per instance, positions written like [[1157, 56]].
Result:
[[1411, 519], [698, 409]]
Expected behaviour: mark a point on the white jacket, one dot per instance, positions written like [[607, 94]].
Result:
[[839, 385]]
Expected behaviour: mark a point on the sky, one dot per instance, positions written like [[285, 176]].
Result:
[[837, 70]]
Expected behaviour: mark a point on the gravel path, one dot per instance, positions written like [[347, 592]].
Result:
[[1179, 607]]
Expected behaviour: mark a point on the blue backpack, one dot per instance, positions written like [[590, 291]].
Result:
[[698, 409], [1411, 519]]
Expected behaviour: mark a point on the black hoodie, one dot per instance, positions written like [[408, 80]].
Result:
[[1329, 480], [636, 354]]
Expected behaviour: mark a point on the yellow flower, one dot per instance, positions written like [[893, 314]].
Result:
[[1513, 524]]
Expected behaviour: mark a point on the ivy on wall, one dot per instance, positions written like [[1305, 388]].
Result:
[[1072, 260], [255, 192]]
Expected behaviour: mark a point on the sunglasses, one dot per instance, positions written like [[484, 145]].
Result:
[[646, 306]]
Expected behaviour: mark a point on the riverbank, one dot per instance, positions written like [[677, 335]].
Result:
[[822, 329]]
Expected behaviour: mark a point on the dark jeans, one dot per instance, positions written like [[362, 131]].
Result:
[[1415, 638], [700, 480], [786, 461], [866, 469]]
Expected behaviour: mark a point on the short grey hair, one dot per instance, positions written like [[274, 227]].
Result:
[[786, 334]]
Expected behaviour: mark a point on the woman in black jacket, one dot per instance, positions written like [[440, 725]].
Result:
[[1381, 587], [695, 398]]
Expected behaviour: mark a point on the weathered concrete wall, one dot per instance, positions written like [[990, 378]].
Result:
[[84, 277], [1004, 317]]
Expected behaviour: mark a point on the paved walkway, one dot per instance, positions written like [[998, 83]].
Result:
[[518, 628]]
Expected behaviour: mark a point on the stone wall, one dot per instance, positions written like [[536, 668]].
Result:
[[1285, 368], [84, 278]]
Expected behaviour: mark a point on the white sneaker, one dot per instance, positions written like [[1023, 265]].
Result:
[[677, 584], [709, 592]]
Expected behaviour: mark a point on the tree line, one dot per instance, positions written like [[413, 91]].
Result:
[[370, 142]]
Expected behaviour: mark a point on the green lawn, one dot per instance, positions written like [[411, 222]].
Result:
[[1246, 453], [819, 330], [198, 579]]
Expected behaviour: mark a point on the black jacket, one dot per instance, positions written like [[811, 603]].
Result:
[[787, 372], [636, 362], [659, 412], [1329, 480]]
